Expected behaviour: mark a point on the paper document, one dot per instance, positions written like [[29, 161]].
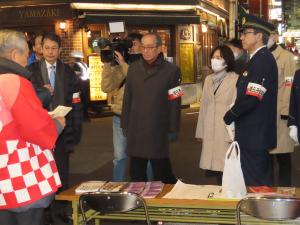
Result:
[[146, 189], [113, 186], [60, 111], [191, 191], [90, 186]]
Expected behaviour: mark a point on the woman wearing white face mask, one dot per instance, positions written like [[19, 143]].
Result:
[[219, 92]]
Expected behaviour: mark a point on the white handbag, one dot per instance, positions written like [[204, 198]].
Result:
[[233, 184]]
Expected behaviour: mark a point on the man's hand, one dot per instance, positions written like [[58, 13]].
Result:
[[231, 130], [294, 133], [119, 58], [50, 88]]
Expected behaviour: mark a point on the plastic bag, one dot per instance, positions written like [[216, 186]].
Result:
[[233, 184]]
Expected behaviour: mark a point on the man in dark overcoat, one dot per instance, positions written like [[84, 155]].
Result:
[[64, 90], [294, 109], [254, 112], [151, 111]]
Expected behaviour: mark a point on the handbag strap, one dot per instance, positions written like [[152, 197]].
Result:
[[234, 151], [238, 150]]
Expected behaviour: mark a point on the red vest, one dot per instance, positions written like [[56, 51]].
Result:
[[27, 133]]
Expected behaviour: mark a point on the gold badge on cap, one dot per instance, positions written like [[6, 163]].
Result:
[[243, 20], [245, 73]]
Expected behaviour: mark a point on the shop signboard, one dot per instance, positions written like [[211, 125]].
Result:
[[95, 65], [34, 15], [187, 62]]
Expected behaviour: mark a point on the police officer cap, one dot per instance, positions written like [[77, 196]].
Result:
[[251, 21], [77, 54]]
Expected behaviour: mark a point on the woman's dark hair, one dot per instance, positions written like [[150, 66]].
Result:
[[53, 37], [135, 36], [38, 34], [227, 55]]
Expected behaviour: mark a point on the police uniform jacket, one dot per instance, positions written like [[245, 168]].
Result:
[[253, 112], [286, 70], [294, 111], [65, 93], [147, 114]]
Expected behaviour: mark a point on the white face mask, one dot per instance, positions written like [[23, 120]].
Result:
[[218, 65], [270, 43]]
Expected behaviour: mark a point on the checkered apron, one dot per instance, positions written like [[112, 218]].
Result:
[[27, 173]]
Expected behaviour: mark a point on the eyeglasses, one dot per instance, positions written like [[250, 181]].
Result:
[[49, 48], [148, 48], [248, 32]]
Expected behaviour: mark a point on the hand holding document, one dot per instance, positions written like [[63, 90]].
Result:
[[60, 111]]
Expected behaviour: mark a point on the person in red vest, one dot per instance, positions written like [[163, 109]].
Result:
[[28, 172]]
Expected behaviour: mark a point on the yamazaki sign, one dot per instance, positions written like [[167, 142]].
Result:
[[34, 15], [38, 13]]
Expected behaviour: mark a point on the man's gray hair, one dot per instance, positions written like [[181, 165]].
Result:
[[157, 37], [265, 36], [11, 39]]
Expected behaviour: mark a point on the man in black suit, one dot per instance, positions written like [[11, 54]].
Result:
[[253, 114], [63, 85]]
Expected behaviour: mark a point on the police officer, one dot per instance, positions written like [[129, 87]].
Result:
[[253, 116]]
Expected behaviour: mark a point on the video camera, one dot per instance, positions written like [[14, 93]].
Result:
[[108, 48]]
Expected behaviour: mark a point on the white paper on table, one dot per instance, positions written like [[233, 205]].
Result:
[[60, 111], [191, 191]]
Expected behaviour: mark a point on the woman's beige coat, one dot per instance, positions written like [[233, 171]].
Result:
[[286, 71], [211, 127]]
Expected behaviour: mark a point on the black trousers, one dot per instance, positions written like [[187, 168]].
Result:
[[34, 216], [162, 170], [61, 156], [85, 93], [257, 167], [284, 162]]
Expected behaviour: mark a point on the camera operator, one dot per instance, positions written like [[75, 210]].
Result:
[[113, 80]]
